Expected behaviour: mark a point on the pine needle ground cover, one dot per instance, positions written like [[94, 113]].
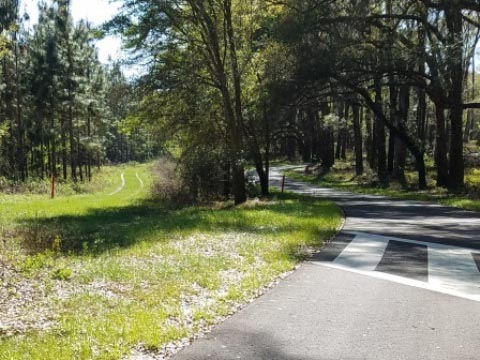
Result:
[[112, 274]]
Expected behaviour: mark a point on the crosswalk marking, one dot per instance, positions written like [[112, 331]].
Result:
[[362, 253], [405, 259], [450, 270], [454, 269], [476, 258]]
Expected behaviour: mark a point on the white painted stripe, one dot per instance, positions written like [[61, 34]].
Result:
[[363, 253], [456, 249], [403, 281], [452, 270]]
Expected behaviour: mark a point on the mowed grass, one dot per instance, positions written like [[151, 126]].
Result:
[[343, 177], [17, 207], [122, 272]]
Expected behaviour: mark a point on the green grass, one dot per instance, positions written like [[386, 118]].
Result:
[[342, 177], [120, 272], [36, 186]]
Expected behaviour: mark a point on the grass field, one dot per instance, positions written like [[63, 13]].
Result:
[[342, 177], [113, 273]]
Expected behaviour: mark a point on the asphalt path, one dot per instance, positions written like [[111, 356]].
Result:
[[416, 220], [399, 282]]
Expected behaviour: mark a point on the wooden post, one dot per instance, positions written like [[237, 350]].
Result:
[[52, 194], [283, 183]]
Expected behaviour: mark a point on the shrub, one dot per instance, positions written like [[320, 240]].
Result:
[[167, 181], [62, 274], [36, 262], [37, 237], [203, 170]]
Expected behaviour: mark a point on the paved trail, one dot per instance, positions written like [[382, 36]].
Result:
[[401, 281]]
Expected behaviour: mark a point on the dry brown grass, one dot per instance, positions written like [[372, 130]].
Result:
[[167, 182]]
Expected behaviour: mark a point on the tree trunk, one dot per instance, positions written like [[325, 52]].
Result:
[[42, 149], [73, 155], [239, 190], [382, 169], [238, 175], [89, 152], [422, 174], [441, 161], [370, 141], [357, 129], [468, 126], [343, 147], [22, 151], [263, 176], [394, 118], [457, 166], [327, 139], [268, 138], [341, 130], [422, 116], [206, 22], [64, 149], [226, 181], [402, 122], [421, 94], [257, 156], [411, 144], [267, 170], [454, 19]]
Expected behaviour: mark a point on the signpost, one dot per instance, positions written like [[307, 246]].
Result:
[[52, 194]]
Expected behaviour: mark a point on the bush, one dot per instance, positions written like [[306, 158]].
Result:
[[168, 184], [197, 176], [62, 274], [37, 237], [36, 262], [203, 171]]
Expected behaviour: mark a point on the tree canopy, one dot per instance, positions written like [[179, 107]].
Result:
[[233, 84]]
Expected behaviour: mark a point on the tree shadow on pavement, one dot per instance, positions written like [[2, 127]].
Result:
[[253, 345]]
